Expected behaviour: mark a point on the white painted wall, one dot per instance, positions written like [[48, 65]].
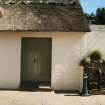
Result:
[[94, 40], [67, 50], [9, 61], [65, 57], [66, 73]]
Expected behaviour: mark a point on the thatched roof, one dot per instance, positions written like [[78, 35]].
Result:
[[43, 17]]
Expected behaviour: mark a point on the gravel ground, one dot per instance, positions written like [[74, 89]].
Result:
[[47, 98]]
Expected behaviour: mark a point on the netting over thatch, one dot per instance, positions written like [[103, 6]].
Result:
[[43, 17]]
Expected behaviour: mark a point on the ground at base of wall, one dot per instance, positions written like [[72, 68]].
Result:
[[47, 98], [96, 92]]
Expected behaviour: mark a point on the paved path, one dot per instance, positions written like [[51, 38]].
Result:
[[47, 98]]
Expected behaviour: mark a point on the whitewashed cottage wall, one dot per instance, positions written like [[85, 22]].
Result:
[[67, 51]]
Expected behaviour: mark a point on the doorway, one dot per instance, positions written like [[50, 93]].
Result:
[[36, 61]]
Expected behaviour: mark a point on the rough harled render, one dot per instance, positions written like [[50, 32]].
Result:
[[43, 17]]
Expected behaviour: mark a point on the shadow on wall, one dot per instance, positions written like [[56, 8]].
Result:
[[94, 40]]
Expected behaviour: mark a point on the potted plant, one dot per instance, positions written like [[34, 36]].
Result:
[[91, 61]]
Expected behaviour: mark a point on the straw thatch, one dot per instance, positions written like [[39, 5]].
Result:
[[43, 17]]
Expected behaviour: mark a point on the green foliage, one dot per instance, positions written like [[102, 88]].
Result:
[[96, 55], [84, 61], [98, 17], [91, 18]]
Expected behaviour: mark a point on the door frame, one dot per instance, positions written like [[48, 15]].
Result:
[[21, 56]]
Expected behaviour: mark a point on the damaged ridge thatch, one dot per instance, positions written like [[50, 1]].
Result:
[[43, 17]]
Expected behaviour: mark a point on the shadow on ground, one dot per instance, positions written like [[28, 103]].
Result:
[[68, 92], [35, 87]]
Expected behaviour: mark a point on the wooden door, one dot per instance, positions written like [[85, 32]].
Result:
[[36, 60]]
